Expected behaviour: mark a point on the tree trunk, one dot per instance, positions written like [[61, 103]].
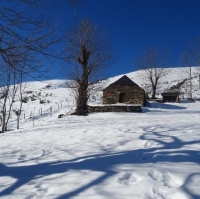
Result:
[[190, 82], [81, 108], [154, 87], [3, 128], [81, 105], [4, 113], [20, 108], [153, 96], [17, 123]]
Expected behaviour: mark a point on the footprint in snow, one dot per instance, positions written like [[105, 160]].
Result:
[[126, 130], [151, 143], [39, 191], [154, 194], [128, 178], [21, 157], [164, 177], [145, 156], [46, 151], [152, 128]]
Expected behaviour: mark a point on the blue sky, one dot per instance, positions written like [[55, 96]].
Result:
[[136, 25]]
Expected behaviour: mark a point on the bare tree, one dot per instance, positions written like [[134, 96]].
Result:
[[88, 54], [153, 62], [192, 59], [27, 28], [12, 68], [193, 53], [27, 39], [8, 94], [21, 91]]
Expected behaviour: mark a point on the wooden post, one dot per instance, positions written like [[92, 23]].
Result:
[[33, 120]]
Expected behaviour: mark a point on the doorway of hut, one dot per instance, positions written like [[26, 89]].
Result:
[[122, 97]]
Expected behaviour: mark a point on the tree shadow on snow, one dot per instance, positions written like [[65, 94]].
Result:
[[191, 179], [105, 162], [165, 106]]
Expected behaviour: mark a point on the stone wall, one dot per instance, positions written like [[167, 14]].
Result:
[[134, 95], [115, 108]]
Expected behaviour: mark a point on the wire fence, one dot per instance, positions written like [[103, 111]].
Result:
[[39, 112]]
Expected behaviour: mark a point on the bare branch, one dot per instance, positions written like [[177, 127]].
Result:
[[153, 63]]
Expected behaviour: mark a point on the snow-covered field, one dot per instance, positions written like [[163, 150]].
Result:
[[150, 155]]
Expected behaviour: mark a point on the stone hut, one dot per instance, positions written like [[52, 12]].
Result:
[[170, 96], [124, 90]]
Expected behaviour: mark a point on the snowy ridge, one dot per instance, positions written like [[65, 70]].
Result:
[[173, 78]]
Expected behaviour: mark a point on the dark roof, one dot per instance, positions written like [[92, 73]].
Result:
[[123, 81], [170, 94]]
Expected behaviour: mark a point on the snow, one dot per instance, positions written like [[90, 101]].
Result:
[[150, 155]]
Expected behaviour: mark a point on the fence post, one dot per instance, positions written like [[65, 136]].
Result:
[[33, 119]]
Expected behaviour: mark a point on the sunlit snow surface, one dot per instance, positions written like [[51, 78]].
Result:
[[149, 155]]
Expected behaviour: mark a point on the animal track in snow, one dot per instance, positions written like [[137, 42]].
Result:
[[152, 128], [127, 179], [155, 194], [21, 156], [126, 130], [46, 151], [151, 143], [39, 191], [162, 176], [145, 156]]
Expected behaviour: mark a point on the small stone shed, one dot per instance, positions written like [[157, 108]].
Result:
[[170, 96], [124, 90]]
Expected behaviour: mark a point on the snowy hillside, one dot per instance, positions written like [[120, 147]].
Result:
[[149, 155], [174, 77]]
